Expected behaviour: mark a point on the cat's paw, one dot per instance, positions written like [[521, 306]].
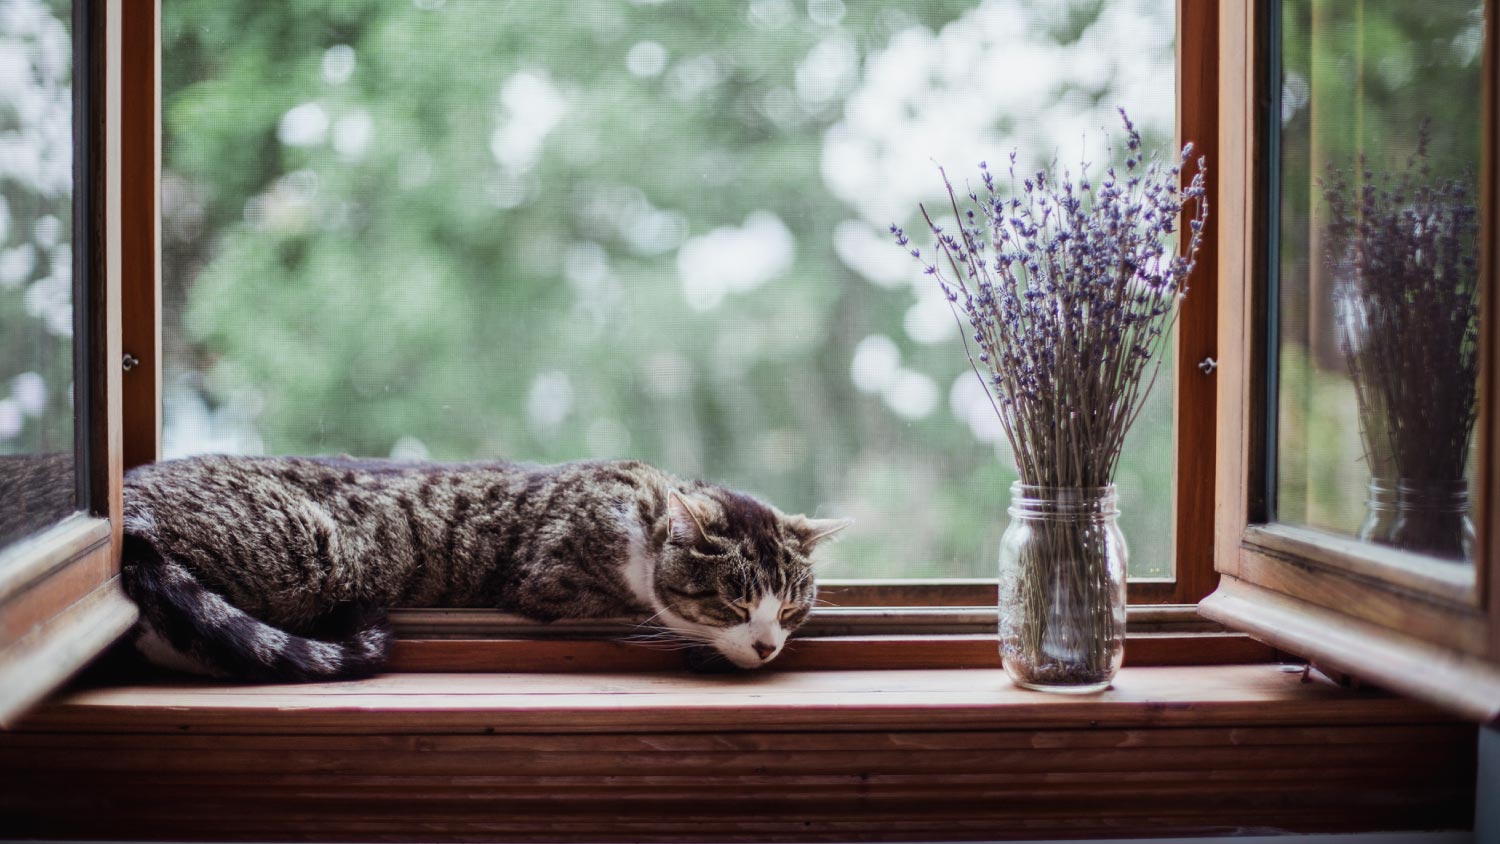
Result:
[[708, 661]]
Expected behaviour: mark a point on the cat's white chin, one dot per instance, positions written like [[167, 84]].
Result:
[[748, 664]]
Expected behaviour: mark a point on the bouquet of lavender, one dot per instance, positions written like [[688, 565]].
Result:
[[1403, 255], [1069, 288]]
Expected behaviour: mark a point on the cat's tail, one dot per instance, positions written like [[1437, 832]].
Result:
[[185, 626]]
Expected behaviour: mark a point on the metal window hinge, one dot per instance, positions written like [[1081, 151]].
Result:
[[130, 362], [1207, 366]]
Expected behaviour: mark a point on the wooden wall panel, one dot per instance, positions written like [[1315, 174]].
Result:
[[795, 756]]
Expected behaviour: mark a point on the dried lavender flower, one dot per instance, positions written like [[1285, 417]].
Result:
[[1070, 288], [1403, 253]]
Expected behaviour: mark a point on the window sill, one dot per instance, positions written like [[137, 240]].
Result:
[[780, 755], [821, 653], [835, 638]]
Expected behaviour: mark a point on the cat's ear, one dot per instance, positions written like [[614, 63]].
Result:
[[812, 532], [685, 526]]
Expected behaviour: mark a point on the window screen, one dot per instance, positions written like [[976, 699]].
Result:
[[37, 485], [551, 231]]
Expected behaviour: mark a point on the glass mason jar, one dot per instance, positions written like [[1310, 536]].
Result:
[[1425, 517], [1380, 512], [1062, 589]]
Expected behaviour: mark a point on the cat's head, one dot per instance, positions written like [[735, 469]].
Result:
[[736, 574]]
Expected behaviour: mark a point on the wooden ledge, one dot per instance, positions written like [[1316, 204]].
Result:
[[1463, 684], [834, 639], [821, 653], [1231, 695], [786, 756]]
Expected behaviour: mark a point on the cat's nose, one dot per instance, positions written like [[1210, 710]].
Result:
[[764, 650]]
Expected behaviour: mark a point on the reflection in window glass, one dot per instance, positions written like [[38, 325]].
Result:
[[1378, 266], [645, 229], [36, 266]]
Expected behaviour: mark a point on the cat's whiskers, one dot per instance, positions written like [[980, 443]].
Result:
[[646, 622], [667, 646], [667, 639], [647, 630], [666, 633], [676, 636], [651, 636], [656, 629]]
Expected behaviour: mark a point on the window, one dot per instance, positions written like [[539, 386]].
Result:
[[1357, 511], [1377, 300], [38, 317], [60, 599], [645, 229], [789, 751]]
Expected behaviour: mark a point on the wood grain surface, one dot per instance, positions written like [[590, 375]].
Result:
[[849, 755], [140, 212], [60, 600], [1194, 403]]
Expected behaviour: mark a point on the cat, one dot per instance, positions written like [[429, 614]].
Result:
[[280, 568]]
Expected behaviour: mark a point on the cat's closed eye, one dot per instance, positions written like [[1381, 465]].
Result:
[[741, 608]]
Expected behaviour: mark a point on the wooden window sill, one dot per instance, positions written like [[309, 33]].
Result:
[[787, 755], [837, 638]]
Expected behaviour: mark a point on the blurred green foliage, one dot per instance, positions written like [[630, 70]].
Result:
[[36, 227], [460, 228]]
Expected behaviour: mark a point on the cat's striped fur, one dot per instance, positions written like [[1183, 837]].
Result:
[[280, 568]]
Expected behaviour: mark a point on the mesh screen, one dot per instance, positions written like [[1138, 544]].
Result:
[[550, 231], [36, 266]]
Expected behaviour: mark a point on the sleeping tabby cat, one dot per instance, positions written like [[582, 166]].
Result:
[[280, 568]]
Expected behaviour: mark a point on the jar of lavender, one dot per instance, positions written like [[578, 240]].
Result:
[[1063, 561]]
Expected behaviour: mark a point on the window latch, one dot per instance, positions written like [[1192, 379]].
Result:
[[1207, 366]]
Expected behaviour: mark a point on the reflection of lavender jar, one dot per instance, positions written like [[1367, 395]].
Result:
[[1380, 512], [1423, 517], [1403, 249]]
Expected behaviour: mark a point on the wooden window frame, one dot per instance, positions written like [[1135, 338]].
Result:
[[912, 623], [1193, 412], [1412, 625], [923, 754], [60, 596], [1195, 350], [897, 623]]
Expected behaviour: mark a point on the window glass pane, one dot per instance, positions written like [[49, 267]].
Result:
[[643, 229], [1378, 269], [37, 486]]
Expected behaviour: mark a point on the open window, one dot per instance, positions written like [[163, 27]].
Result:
[[60, 276], [327, 250], [1357, 520], [620, 231], [480, 731]]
